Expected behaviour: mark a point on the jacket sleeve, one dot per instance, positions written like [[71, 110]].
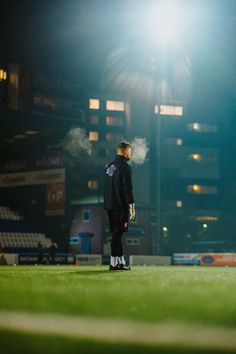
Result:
[[126, 181]]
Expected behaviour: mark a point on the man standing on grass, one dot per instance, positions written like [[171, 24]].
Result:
[[119, 202]]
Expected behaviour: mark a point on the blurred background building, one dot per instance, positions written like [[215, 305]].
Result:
[[185, 190]]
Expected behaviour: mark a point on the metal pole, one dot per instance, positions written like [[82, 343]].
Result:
[[158, 190]]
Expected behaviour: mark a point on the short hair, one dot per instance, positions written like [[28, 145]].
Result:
[[123, 145]]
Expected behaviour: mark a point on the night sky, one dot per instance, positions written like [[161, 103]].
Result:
[[77, 39]]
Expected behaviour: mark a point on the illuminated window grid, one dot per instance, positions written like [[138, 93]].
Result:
[[179, 142], [93, 136], [202, 128], [93, 184], [179, 203], [3, 75], [94, 103], [173, 141], [114, 121], [195, 157], [199, 189], [207, 218], [115, 106], [169, 110]]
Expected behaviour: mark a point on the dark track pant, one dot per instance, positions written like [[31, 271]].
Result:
[[118, 220]]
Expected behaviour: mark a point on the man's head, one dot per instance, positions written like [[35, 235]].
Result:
[[124, 149]]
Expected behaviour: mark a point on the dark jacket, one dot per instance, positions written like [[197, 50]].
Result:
[[118, 193]]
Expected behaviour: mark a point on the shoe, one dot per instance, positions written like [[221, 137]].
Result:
[[114, 268], [123, 267]]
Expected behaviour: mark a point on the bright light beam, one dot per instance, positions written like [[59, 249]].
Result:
[[164, 22]]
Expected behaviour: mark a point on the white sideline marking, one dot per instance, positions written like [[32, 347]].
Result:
[[121, 330]]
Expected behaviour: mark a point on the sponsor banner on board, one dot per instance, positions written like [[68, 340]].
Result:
[[33, 177], [205, 259]]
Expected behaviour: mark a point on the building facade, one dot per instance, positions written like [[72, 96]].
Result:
[[177, 188], [187, 174]]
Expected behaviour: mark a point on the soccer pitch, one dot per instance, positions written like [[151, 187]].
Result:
[[87, 309]]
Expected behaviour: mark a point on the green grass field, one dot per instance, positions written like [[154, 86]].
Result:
[[192, 303]]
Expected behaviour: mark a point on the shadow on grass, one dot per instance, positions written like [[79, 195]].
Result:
[[94, 272], [91, 272], [15, 342]]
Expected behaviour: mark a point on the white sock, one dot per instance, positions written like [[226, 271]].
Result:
[[114, 261], [121, 260]]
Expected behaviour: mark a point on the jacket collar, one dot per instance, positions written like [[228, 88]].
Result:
[[121, 158]]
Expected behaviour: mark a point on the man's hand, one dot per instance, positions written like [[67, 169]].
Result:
[[132, 212]]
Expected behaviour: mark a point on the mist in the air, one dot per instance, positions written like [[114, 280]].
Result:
[[139, 150], [76, 142]]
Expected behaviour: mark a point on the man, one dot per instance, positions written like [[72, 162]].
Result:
[[119, 202]]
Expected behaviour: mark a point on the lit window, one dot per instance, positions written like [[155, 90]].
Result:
[[173, 141], [197, 189], [196, 126], [86, 216], [93, 136], [114, 121], [156, 110], [94, 103], [179, 203], [93, 184], [94, 120], [179, 142], [206, 218], [3, 75], [171, 110], [194, 188], [115, 106], [195, 157], [203, 128]]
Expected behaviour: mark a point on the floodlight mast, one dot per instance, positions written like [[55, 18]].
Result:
[[164, 24]]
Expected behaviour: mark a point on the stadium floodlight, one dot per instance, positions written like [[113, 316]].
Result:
[[164, 22]]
